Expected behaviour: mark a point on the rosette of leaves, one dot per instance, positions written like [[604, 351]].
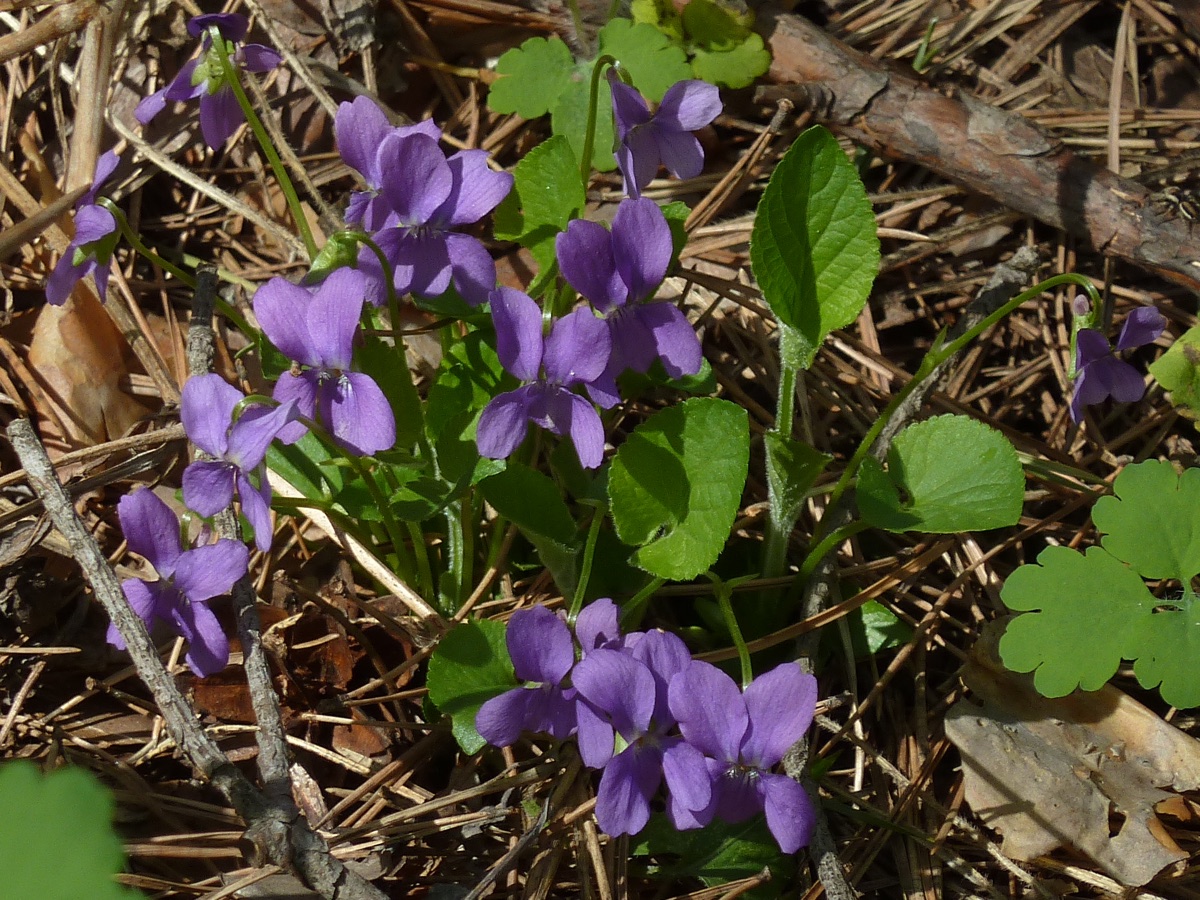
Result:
[[1082, 613]]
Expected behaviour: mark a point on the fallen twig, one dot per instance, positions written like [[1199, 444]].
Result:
[[988, 150]]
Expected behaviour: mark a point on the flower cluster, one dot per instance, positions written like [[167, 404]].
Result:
[[645, 712], [1100, 374], [187, 579], [416, 196], [617, 271]]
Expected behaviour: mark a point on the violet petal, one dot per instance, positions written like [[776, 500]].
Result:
[[790, 814], [282, 311], [471, 268], [220, 116], [623, 799], [618, 685], [585, 258], [256, 507], [360, 416], [642, 246], [781, 704], [208, 647], [206, 409], [501, 719], [577, 348], [476, 190], [332, 317], [1142, 326], [710, 710], [359, 128], [210, 571], [539, 644], [208, 486], [143, 597], [150, 529], [416, 177], [518, 321], [688, 106]]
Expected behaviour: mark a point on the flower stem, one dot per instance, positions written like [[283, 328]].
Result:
[[264, 141], [585, 572], [589, 135], [632, 611], [724, 591], [136, 243]]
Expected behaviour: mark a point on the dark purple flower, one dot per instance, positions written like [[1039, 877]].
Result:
[[204, 77], [186, 580], [1100, 374], [542, 653], [317, 331], [428, 194], [615, 271], [665, 138], [360, 129], [575, 352], [207, 408], [91, 250], [743, 736], [624, 724]]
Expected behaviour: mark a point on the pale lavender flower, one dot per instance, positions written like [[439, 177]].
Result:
[[429, 194], [204, 77], [626, 697], [239, 447], [615, 271], [664, 138], [742, 737], [317, 331], [360, 129], [1100, 374], [575, 352], [187, 579], [91, 250]]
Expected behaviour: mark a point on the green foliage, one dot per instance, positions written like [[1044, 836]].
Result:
[[534, 504], [533, 76], [469, 667], [547, 193], [56, 836], [719, 41], [944, 475], [792, 468], [716, 854], [724, 49], [1178, 371], [1084, 613], [676, 483], [540, 77], [874, 628], [813, 248]]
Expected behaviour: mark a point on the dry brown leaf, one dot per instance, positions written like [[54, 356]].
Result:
[[1085, 771], [78, 358]]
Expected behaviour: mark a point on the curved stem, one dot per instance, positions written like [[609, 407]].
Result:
[[589, 135], [230, 73], [937, 355], [724, 591], [136, 243], [585, 573]]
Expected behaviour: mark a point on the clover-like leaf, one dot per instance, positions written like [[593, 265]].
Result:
[[675, 485], [725, 51], [1178, 371], [654, 63], [1151, 521], [56, 836], [813, 248], [532, 78], [1169, 647], [469, 667], [945, 475], [1078, 629]]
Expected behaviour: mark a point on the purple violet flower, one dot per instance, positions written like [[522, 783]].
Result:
[[90, 252], [187, 579], [1100, 374], [429, 194], [317, 331], [575, 352], [743, 736], [204, 77], [665, 138], [207, 408], [615, 271], [360, 129], [623, 726], [543, 654]]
